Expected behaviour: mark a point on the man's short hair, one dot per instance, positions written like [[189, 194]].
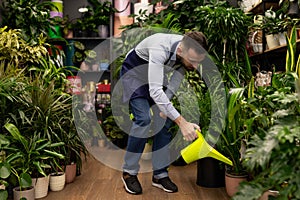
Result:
[[195, 40]]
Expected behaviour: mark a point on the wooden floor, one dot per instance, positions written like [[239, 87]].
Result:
[[98, 182]]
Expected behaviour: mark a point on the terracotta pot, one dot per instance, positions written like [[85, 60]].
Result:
[[232, 182], [28, 193], [70, 172], [41, 186], [57, 181]]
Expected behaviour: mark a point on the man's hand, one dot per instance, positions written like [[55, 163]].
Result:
[[188, 129]]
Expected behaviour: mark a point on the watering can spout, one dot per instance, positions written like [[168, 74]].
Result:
[[201, 149]]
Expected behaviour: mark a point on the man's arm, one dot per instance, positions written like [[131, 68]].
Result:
[[155, 76]]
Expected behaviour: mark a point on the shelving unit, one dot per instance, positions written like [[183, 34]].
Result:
[[268, 57]]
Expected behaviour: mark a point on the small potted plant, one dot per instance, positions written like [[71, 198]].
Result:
[[83, 57], [102, 13], [275, 24], [74, 148]]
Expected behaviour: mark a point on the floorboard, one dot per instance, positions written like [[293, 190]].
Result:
[[99, 182]]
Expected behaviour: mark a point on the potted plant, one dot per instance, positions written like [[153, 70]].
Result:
[[233, 140], [28, 156], [74, 149], [272, 155], [95, 16], [83, 57], [275, 25], [102, 13], [64, 25], [234, 137], [272, 152], [57, 181], [67, 26]]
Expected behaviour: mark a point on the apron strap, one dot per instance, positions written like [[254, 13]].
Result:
[[173, 48]]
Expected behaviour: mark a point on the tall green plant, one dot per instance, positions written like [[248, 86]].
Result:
[[232, 136]]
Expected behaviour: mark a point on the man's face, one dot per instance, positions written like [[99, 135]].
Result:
[[190, 59]]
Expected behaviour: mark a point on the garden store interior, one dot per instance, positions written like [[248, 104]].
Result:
[[61, 118]]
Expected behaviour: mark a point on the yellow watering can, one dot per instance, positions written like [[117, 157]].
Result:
[[200, 149]]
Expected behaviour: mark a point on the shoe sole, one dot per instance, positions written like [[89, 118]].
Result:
[[162, 187], [127, 189]]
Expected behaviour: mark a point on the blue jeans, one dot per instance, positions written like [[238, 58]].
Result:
[[145, 123]]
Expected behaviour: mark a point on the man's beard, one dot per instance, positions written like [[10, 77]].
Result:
[[179, 62]]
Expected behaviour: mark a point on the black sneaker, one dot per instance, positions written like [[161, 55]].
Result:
[[131, 183], [165, 183]]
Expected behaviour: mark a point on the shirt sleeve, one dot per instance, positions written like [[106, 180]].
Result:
[[155, 77]]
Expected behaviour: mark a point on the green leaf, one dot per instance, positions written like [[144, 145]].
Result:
[[14, 131], [3, 194], [25, 180], [5, 170]]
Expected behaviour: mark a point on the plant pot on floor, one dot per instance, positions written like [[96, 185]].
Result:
[[28, 193], [57, 181], [210, 173], [70, 172], [41, 186], [232, 182]]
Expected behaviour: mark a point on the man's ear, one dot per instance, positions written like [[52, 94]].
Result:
[[179, 50]]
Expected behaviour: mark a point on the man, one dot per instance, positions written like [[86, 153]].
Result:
[[144, 77]]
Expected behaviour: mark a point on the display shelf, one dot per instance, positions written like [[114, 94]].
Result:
[[276, 50]]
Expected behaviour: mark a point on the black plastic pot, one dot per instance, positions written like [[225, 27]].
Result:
[[210, 173]]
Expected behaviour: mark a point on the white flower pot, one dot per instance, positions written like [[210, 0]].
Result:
[[41, 186], [57, 181], [282, 38], [272, 41], [28, 193]]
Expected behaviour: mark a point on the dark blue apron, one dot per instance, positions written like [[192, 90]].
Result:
[[134, 75]]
